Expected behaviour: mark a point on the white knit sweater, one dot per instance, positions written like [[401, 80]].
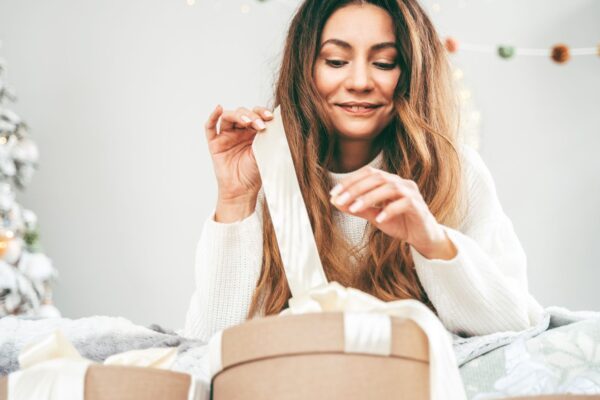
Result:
[[482, 290]]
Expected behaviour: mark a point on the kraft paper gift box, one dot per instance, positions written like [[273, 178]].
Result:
[[114, 382], [302, 357], [332, 342]]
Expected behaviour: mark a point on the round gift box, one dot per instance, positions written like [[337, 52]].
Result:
[[302, 357]]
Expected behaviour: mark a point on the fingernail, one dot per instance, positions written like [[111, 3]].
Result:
[[357, 205], [382, 215], [260, 124], [342, 199], [245, 118], [268, 113], [336, 189]]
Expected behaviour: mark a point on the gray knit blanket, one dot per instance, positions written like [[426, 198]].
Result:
[[466, 349], [96, 338]]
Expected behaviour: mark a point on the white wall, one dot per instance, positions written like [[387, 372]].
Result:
[[117, 94]]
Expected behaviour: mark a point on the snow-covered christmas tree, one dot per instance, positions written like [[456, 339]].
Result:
[[26, 274]]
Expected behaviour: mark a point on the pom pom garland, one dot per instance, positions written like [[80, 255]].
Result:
[[506, 52], [559, 53], [451, 45]]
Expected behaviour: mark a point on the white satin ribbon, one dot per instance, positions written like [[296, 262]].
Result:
[[367, 325], [53, 369], [215, 363], [293, 231], [367, 333]]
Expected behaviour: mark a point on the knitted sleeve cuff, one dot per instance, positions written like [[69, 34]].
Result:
[[216, 233], [421, 259], [469, 292]]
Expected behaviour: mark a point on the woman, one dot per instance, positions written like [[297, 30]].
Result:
[[398, 208]]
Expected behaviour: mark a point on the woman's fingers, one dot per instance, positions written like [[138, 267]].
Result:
[[257, 122], [232, 119], [381, 195], [357, 176], [350, 191], [242, 118], [264, 112], [372, 191], [211, 125]]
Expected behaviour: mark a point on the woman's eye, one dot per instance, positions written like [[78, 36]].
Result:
[[385, 65], [341, 63], [336, 63]]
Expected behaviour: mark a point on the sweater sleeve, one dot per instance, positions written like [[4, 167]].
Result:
[[483, 289], [227, 266]]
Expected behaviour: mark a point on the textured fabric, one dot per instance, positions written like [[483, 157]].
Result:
[[480, 291], [561, 360]]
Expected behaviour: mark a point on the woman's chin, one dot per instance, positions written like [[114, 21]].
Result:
[[355, 133]]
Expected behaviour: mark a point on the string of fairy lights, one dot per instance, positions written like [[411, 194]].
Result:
[[560, 53]]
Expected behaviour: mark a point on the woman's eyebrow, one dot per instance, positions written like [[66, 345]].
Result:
[[348, 46]]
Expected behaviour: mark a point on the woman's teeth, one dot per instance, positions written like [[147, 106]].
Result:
[[358, 108]]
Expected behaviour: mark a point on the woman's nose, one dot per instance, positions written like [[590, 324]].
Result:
[[359, 78]]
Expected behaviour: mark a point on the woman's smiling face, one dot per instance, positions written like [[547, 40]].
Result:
[[358, 63]]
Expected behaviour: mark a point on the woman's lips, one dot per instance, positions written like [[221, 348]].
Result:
[[358, 110]]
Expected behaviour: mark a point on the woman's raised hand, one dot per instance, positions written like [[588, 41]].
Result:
[[230, 146]]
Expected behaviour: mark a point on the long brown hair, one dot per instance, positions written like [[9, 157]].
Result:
[[419, 144]]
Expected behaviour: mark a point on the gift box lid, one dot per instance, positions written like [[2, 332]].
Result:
[[276, 336]]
